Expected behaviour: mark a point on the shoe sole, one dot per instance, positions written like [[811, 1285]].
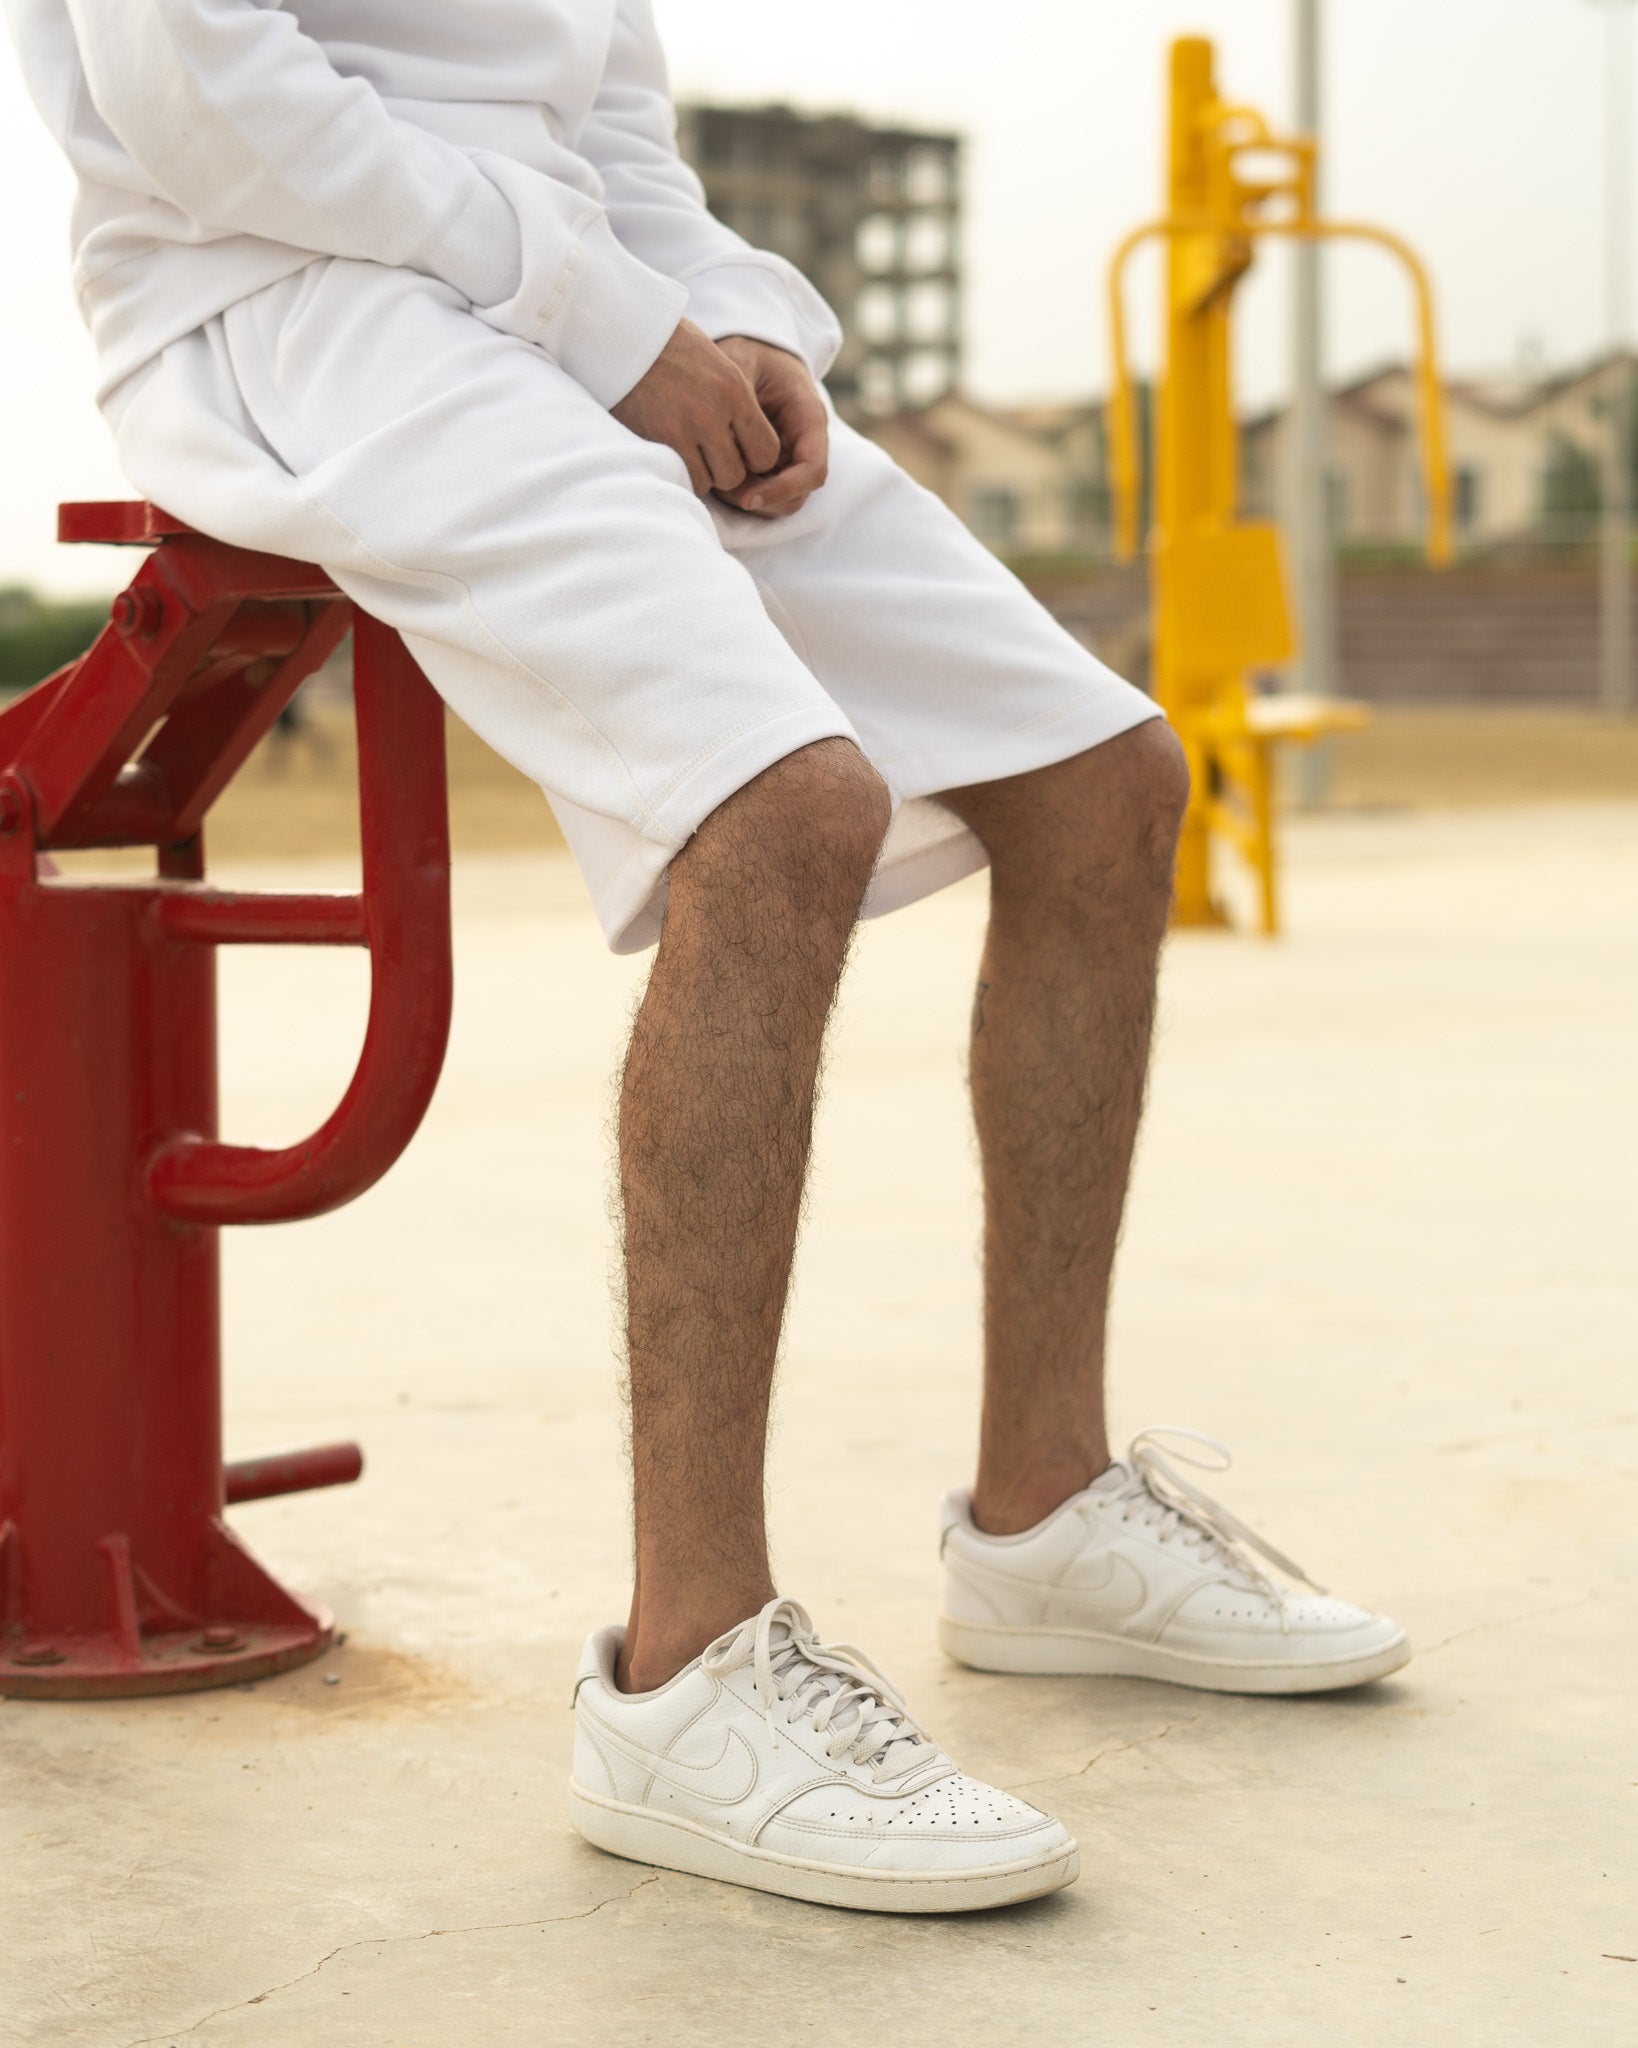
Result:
[[1053, 1653], [671, 1843]]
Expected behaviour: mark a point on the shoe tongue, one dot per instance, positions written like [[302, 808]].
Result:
[[1116, 1474]]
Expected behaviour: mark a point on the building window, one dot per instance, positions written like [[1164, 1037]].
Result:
[[1469, 496], [927, 177], [876, 312], [927, 243], [878, 385], [1336, 501], [923, 376], [878, 242], [995, 514], [929, 312], [1087, 503]]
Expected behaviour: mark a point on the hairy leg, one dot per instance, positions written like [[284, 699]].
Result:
[[1080, 883], [716, 1106]]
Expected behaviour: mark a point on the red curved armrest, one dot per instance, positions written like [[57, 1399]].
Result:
[[405, 906]]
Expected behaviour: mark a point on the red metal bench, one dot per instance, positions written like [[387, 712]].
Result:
[[117, 1571]]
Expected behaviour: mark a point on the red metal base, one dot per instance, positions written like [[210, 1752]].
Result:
[[250, 1627], [186, 1661]]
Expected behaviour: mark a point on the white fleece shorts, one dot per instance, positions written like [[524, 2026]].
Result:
[[636, 652]]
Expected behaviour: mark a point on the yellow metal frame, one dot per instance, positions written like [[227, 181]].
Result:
[[1218, 601]]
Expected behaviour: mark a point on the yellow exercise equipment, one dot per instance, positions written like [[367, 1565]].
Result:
[[1218, 602]]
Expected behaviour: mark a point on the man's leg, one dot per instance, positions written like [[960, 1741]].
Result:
[[716, 1106], [780, 1762], [1080, 883]]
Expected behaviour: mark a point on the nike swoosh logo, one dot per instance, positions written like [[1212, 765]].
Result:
[[1119, 1589], [693, 1779]]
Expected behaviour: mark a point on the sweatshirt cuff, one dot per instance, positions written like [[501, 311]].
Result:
[[614, 318], [765, 299], [601, 314], [740, 298]]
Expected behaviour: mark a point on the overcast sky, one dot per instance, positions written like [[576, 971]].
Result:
[[1473, 126]]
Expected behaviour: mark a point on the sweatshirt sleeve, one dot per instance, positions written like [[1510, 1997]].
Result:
[[656, 206], [242, 122]]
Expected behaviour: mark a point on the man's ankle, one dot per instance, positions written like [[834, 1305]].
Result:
[[665, 1637], [1008, 1503]]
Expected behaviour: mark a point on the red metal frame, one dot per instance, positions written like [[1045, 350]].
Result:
[[117, 1572]]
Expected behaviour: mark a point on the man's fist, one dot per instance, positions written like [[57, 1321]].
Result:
[[695, 399], [789, 397], [744, 416]]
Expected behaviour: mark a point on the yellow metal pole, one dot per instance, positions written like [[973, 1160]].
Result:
[[1217, 599], [1125, 459], [1430, 401], [1194, 483]]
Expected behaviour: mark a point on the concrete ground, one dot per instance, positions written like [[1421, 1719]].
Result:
[[1382, 1239], [299, 792]]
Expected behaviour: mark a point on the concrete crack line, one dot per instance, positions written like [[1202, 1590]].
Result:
[[1508, 1621], [1114, 1749], [387, 1941]]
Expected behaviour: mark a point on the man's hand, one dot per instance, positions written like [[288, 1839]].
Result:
[[789, 397], [697, 399]]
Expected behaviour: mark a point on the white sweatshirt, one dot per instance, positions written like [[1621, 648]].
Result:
[[523, 151]]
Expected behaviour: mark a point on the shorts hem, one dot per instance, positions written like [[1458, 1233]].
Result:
[[1042, 744], [631, 903]]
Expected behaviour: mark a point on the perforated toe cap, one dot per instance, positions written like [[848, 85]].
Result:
[[1224, 1619], [956, 1820]]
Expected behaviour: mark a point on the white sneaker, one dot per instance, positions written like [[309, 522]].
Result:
[[1143, 1576], [791, 1765]]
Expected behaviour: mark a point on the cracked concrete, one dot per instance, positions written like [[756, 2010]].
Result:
[[1034, 1786], [382, 1942], [1530, 1614], [1384, 1214]]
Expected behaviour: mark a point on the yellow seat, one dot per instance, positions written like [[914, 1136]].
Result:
[[1234, 741]]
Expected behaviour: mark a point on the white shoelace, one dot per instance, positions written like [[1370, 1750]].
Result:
[[832, 1685], [1158, 1496]]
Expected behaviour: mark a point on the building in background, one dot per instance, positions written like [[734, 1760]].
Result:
[[1525, 452], [1028, 479], [871, 215]]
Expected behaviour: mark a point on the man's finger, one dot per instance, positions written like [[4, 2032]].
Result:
[[698, 475], [798, 478], [724, 461], [758, 439], [782, 510]]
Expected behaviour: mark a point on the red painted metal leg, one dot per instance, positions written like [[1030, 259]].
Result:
[[122, 1577], [117, 1572]]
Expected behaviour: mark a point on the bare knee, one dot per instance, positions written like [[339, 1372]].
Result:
[[804, 835], [823, 807], [1120, 806], [1112, 811], [1156, 785]]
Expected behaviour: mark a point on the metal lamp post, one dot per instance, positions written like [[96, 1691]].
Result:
[[1615, 689], [1309, 524]]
